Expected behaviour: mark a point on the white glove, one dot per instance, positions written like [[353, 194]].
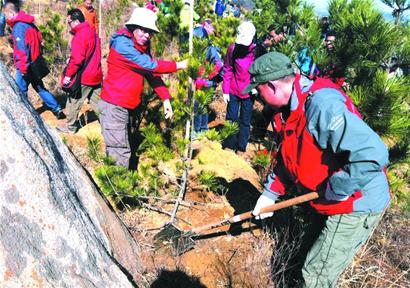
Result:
[[168, 109], [182, 64], [66, 80], [226, 98], [265, 200]]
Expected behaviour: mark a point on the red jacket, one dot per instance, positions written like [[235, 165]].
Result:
[[26, 40], [84, 42], [128, 65], [90, 16], [326, 147]]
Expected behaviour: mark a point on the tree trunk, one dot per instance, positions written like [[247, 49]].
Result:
[[56, 230]]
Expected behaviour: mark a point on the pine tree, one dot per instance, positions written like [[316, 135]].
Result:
[[399, 7], [365, 43], [53, 43]]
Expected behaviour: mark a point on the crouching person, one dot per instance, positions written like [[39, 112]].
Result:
[[325, 147], [129, 62], [84, 67]]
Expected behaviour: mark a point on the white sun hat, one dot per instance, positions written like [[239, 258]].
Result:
[[143, 17], [246, 32]]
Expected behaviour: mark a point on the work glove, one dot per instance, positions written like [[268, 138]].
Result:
[[168, 109], [333, 204], [226, 98], [182, 64], [66, 80], [266, 199]]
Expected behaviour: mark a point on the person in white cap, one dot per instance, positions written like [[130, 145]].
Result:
[[129, 62], [236, 77]]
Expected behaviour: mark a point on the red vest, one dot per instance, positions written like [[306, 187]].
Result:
[[309, 165]]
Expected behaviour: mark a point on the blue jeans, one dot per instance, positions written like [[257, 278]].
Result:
[[38, 85], [241, 116], [2, 24], [200, 120]]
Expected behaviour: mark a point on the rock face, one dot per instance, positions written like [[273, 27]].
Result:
[[55, 228]]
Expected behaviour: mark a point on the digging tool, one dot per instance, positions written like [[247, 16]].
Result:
[[188, 132], [183, 241]]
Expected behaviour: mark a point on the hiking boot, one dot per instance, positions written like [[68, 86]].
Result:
[[59, 114], [64, 129]]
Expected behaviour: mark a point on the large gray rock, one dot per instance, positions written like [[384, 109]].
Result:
[[55, 228]]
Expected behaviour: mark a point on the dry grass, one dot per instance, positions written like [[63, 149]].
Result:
[[247, 266], [385, 259]]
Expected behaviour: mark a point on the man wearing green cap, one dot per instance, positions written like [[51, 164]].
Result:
[[325, 146]]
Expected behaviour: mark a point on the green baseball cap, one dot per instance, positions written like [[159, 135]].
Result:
[[268, 67]]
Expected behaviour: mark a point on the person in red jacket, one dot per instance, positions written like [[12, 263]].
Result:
[[129, 62], [26, 51], [86, 57], [90, 14], [325, 146]]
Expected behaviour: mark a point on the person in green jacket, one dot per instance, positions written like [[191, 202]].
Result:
[[325, 146]]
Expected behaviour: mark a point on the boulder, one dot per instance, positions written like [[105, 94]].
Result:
[[56, 230]]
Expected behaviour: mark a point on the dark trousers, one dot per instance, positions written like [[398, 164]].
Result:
[[240, 111], [200, 119]]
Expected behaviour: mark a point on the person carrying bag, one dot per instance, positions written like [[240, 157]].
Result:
[[82, 77], [27, 55]]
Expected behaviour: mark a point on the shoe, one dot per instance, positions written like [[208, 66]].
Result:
[[59, 115], [64, 129]]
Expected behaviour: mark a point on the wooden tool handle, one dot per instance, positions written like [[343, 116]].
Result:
[[247, 215]]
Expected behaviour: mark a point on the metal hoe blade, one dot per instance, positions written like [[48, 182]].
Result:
[[170, 235]]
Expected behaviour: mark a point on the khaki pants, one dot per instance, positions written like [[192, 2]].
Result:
[[118, 129], [333, 251], [73, 106]]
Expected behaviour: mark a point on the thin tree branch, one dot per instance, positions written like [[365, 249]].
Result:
[[152, 208]]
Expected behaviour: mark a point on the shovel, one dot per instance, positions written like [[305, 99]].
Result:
[[183, 241]]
